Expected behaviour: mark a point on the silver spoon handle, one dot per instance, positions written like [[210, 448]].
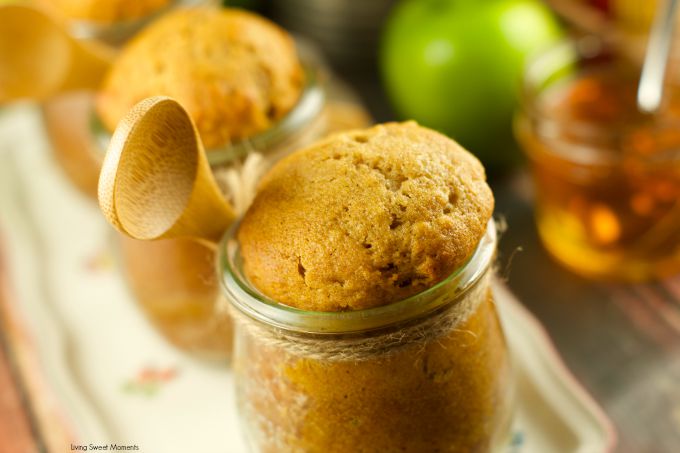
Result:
[[650, 89]]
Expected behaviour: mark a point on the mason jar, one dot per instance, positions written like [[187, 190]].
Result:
[[606, 176], [428, 373]]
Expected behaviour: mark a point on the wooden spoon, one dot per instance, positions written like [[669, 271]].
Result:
[[156, 182], [38, 57]]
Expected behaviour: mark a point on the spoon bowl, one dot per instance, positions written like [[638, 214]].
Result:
[[156, 182]]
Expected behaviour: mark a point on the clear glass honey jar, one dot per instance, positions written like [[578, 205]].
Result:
[[607, 177], [428, 373]]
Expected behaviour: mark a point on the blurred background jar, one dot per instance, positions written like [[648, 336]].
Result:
[[50, 47], [421, 374], [111, 22], [103, 27], [607, 177], [254, 100]]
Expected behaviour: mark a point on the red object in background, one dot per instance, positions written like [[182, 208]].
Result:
[[602, 5]]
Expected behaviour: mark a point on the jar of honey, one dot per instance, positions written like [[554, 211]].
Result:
[[607, 176], [427, 373]]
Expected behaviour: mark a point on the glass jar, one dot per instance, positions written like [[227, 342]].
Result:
[[607, 177], [173, 280], [428, 373], [66, 118], [116, 33]]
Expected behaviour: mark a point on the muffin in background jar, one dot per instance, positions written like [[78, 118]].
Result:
[[253, 101], [103, 28], [358, 282]]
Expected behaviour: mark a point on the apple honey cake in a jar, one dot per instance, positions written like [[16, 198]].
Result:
[[358, 282]]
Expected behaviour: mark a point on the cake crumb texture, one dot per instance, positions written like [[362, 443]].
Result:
[[365, 218]]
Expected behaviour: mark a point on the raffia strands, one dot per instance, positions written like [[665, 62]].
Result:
[[367, 346]]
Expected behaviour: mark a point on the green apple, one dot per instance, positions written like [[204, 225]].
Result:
[[456, 65]]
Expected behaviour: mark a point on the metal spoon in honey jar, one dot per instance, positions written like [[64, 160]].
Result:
[[156, 182], [650, 88], [38, 57]]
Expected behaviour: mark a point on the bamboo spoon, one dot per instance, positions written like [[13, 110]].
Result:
[[38, 58], [156, 182]]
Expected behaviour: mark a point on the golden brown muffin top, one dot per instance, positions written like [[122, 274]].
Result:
[[105, 11], [235, 72], [365, 218]]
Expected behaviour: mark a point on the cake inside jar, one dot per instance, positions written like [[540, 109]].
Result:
[[234, 72], [365, 219], [374, 226]]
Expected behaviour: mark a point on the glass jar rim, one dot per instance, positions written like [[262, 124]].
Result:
[[246, 298], [308, 106], [116, 33], [552, 65]]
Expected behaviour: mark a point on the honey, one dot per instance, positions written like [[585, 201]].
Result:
[[607, 176]]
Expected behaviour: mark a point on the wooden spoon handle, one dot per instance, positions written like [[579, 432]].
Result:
[[208, 214]]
